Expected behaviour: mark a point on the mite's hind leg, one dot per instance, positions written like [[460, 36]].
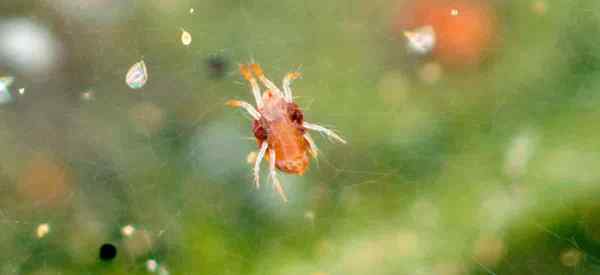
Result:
[[273, 174], [329, 133], [287, 81], [245, 71], [313, 150], [259, 158], [258, 71], [242, 104]]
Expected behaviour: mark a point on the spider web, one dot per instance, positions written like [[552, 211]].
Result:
[[483, 170]]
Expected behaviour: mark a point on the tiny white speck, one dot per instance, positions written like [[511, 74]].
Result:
[[127, 230], [151, 265], [421, 40], [186, 37], [191, 10], [22, 91], [163, 271], [454, 12], [42, 230], [87, 95]]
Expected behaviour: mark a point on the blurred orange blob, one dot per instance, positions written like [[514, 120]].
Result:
[[464, 29], [44, 182]]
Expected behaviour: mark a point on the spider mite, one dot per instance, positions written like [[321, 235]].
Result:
[[279, 127]]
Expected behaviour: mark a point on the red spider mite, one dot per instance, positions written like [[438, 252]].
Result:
[[279, 127]]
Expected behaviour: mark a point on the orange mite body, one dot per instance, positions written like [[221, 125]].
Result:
[[281, 126]]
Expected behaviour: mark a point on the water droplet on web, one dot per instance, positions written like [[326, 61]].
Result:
[[21, 91], [127, 230], [42, 230], [186, 38], [151, 265], [137, 75], [5, 83], [421, 40], [88, 95], [191, 10], [163, 271], [454, 12]]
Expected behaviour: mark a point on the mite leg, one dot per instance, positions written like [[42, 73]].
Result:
[[287, 81], [329, 133], [245, 71], [273, 173], [258, 71], [259, 158], [242, 104], [314, 151]]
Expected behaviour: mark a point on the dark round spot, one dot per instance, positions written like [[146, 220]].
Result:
[[108, 252], [295, 113], [217, 66], [259, 132]]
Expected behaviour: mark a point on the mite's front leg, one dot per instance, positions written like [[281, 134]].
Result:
[[329, 133], [242, 104]]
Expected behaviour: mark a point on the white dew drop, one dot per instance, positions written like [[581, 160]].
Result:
[[421, 40], [5, 83], [186, 37], [163, 271], [88, 95], [21, 91], [191, 10], [454, 12], [151, 265], [127, 230], [137, 75], [42, 230]]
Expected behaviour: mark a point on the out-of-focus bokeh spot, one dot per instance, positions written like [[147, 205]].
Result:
[[464, 29], [45, 181]]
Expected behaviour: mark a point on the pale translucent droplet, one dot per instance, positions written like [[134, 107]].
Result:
[[421, 40], [454, 12], [5, 83], [21, 91], [191, 10], [88, 95], [186, 37], [42, 230], [137, 75], [163, 271], [127, 230], [151, 265]]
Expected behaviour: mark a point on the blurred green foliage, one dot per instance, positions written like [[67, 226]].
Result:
[[489, 169]]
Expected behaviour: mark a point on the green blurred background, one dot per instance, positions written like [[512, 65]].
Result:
[[481, 157]]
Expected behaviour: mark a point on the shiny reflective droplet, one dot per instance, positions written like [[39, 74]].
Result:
[[42, 230], [186, 37], [87, 95], [454, 12], [127, 230], [163, 271], [421, 40], [191, 10], [5, 83], [21, 91], [151, 265], [137, 75]]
